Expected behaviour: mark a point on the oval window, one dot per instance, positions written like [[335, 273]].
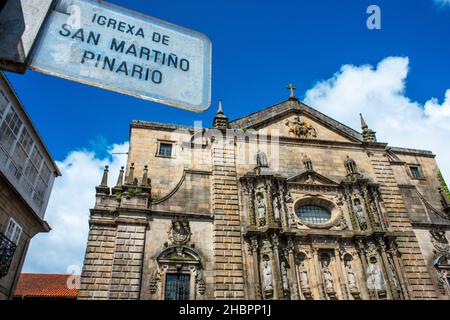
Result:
[[313, 214]]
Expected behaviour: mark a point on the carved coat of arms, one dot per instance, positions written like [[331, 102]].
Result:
[[300, 129], [180, 232]]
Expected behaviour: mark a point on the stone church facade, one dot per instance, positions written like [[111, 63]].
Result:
[[285, 203]]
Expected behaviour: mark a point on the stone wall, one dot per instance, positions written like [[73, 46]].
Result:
[[228, 263]]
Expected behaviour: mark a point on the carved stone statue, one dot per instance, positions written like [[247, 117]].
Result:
[[350, 274], [327, 275], [375, 279], [308, 163], [261, 206], [360, 217], [261, 160], [303, 273], [276, 208], [351, 166], [267, 276], [284, 276]]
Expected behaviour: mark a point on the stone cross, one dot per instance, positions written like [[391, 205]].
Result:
[[291, 88]]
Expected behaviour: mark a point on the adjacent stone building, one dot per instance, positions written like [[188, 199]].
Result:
[[285, 203], [27, 173]]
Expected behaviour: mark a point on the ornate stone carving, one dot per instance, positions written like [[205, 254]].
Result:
[[180, 232], [439, 241], [200, 282], [300, 129], [154, 279], [444, 283]]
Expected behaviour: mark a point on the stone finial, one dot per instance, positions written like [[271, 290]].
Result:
[[119, 183], [145, 179], [103, 187], [220, 120], [104, 182], [130, 177], [368, 134], [291, 89]]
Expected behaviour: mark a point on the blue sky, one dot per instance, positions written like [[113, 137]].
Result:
[[258, 48]]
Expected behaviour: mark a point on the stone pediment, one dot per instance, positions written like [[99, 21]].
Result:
[[312, 178], [294, 119]]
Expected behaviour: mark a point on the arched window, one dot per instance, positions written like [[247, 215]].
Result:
[[313, 214]]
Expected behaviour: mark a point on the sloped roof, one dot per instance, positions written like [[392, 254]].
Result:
[[293, 106], [45, 285]]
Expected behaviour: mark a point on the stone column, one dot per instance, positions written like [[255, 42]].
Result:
[[256, 275], [341, 277], [278, 287], [399, 266], [362, 260], [295, 295], [318, 267], [389, 287]]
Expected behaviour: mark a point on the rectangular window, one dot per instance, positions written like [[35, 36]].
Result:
[[9, 130], [13, 231], [416, 173], [3, 104], [165, 150], [177, 286]]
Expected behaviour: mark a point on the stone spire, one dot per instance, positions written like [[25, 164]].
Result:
[[119, 184], [144, 182], [291, 89], [103, 187], [220, 120], [368, 134], [130, 177]]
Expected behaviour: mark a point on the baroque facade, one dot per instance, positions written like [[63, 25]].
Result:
[[285, 203]]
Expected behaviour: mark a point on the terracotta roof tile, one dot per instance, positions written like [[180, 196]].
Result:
[[45, 285]]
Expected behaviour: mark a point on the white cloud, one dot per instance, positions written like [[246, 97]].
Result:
[[379, 93], [442, 3], [68, 210]]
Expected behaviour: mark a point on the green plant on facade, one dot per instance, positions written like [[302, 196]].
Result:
[[443, 184]]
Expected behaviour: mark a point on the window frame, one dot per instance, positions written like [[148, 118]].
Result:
[[310, 218], [165, 142], [16, 232], [419, 171]]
